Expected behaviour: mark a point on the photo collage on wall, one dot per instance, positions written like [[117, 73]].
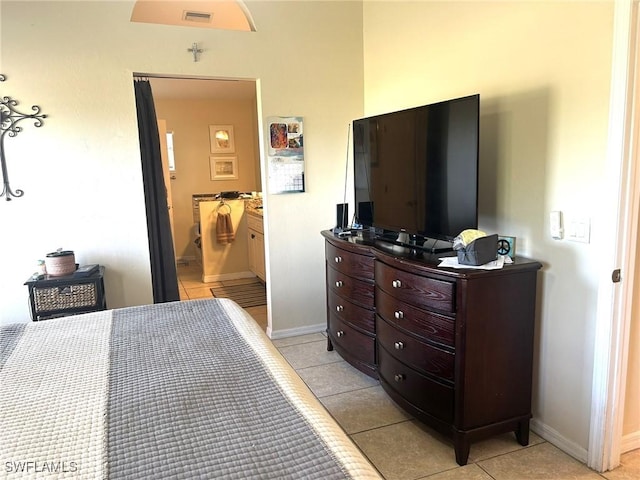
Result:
[[286, 155]]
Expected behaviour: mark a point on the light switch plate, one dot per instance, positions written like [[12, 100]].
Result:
[[579, 229]]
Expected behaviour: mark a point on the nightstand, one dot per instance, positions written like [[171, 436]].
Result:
[[51, 297]]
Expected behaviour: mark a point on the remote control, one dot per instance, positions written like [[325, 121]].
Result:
[[86, 270]]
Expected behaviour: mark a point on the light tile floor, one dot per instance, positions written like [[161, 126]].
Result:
[[191, 286], [400, 447]]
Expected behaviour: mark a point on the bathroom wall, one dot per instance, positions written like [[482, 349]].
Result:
[[189, 120]]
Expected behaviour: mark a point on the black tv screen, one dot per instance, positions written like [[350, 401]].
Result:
[[416, 170]]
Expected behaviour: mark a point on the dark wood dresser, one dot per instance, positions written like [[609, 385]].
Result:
[[350, 303], [453, 347]]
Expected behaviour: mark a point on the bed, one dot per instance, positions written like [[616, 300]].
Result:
[[177, 390]]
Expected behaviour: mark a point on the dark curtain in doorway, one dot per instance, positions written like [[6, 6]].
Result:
[[164, 276]]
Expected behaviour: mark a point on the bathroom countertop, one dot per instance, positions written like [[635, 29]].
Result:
[[254, 207]]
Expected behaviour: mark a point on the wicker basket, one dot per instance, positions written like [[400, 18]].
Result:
[[66, 297]]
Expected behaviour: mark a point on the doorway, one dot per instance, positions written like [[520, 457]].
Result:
[[188, 107]]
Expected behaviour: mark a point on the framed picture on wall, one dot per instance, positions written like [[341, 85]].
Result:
[[221, 139], [223, 168]]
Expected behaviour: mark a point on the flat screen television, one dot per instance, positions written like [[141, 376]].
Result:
[[416, 170]]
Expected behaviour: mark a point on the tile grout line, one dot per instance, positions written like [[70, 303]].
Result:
[[351, 391]]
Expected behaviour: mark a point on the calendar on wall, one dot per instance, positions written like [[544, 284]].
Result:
[[285, 154]]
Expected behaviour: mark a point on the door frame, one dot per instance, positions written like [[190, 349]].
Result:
[[162, 131], [262, 167], [613, 318]]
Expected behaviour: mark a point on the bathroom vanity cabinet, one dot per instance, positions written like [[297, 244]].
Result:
[[255, 241]]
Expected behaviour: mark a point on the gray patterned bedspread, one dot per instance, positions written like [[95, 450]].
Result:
[[177, 390]]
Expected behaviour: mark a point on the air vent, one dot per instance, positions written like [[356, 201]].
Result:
[[202, 17]]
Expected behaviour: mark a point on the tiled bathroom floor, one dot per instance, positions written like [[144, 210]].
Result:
[[400, 447], [191, 287]]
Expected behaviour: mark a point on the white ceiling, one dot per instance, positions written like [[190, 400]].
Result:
[[202, 89]]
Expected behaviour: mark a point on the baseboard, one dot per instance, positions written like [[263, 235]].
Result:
[[227, 276], [553, 436], [630, 442], [294, 332], [185, 260]]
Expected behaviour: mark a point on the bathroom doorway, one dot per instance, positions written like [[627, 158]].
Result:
[[188, 107]]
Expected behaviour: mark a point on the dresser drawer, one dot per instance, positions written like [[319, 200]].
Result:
[[358, 266], [356, 316], [426, 394], [423, 292], [421, 356], [359, 345], [357, 291], [428, 325]]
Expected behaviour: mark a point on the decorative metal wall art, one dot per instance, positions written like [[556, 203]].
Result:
[[9, 119]]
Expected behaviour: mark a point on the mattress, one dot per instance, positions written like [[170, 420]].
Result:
[[177, 390]]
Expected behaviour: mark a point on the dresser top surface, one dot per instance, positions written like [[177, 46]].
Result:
[[400, 256]]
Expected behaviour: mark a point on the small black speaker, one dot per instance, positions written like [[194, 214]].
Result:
[[342, 215], [365, 213]]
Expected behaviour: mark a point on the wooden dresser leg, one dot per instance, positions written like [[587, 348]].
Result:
[[329, 345], [461, 446], [522, 433]]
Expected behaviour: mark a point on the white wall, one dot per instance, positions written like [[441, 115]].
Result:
[[81, 170], [542, 70]]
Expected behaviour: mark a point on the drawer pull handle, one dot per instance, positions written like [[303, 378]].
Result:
[[339, 308], [399, 345], [340, 333], [399, 314], [338, 259], [396, 284], [399, 377], [339, 283]]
